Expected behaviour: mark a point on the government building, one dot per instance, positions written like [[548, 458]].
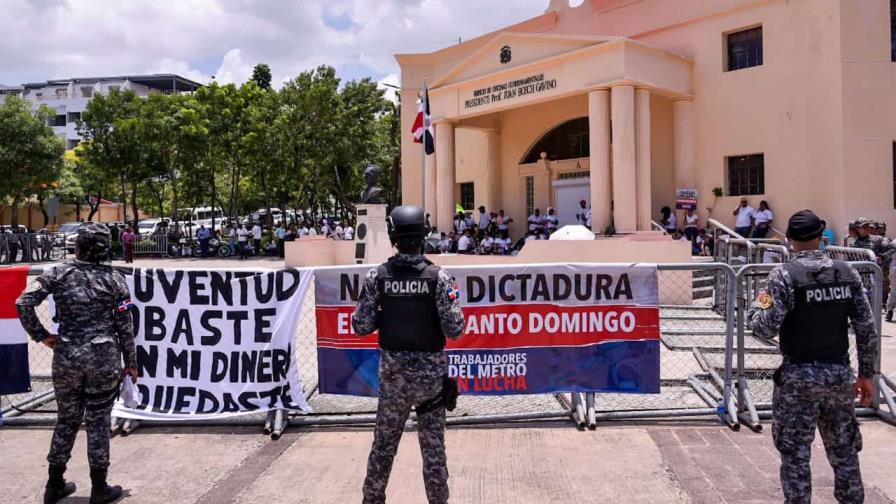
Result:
[[624, 102]]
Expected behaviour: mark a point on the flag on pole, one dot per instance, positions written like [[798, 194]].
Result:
[[14, 377], [422, 128]]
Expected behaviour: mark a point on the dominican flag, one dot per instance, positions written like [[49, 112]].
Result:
[[14, 376], [422, 128]]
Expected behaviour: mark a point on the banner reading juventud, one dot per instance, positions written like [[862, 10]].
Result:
[[529, 329], [215, 343]]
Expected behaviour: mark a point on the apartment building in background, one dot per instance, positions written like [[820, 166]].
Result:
[[69, 97]]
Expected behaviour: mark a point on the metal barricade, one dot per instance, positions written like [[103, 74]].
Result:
[[155, 245], [696, 368], [696, 354], [758, 358]]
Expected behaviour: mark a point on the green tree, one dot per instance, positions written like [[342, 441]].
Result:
[[261, 75], [30, 153]]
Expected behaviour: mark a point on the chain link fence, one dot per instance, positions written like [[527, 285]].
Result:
[[710, 364], [39, 400]]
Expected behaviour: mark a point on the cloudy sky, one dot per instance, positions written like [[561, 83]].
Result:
[[48, 39]]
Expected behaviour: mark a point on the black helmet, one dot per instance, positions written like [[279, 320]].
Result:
[[95, 242], [407, 222]]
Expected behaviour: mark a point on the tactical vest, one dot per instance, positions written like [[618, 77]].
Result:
[[409, 318], [816, 327]]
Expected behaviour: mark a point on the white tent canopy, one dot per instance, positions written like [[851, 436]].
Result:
[[573, 232]]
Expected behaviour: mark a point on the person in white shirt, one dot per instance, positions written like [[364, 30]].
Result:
[[503, 244], [464, 244], [325, 230], [312, 231], [484, 218], [532, 236], [349, 233], [460, 223], [536, 222], [444, 244], [242, 237], [691, 221], [743, 218], [488, 245], [338, 233], [668, 220], [256, 238], [550, 222], [762, 218], [303, 231], [583, 216], [503, 222]]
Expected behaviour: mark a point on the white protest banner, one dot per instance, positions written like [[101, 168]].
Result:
[[212, 344]]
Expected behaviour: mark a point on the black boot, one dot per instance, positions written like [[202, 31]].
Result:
[[57, 488], [889, 317], [102, 493]]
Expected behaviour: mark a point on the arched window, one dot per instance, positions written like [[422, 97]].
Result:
[[567, 141]]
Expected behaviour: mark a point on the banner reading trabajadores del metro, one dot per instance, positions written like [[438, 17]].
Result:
[[530, 329]]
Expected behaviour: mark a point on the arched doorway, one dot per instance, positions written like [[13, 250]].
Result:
[[566, 149]]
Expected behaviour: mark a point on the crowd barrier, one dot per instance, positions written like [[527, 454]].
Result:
[[710, 365], [31, 247], [154, 245]]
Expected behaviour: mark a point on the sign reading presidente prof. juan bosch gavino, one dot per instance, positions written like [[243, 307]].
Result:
[[515, 88]]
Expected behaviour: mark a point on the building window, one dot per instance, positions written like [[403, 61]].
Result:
[[39, 96], [114, 88], [61, 94], [74, 117], [467, 195], [58, 120], [746, 175], [87, 91], [530, 195], [71, 144], [745, 49], [892, 30], [567, 141]]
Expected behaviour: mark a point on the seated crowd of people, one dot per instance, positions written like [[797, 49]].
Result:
[[491, 234]]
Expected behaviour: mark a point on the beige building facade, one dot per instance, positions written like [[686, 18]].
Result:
[[623, 102]]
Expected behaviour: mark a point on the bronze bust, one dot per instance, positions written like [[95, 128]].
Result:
[[371, 195]]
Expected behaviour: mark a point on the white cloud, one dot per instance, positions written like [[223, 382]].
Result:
[[393, 79], [44, 39]]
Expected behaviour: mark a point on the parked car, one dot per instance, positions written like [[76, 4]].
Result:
[[149, 227], [69, 232]]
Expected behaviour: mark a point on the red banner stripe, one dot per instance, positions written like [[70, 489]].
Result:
[[12, 283], [515, 326]]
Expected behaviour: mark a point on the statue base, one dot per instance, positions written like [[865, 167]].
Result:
[[372, 245]]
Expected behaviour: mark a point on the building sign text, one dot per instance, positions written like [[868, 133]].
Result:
[[510, 89]]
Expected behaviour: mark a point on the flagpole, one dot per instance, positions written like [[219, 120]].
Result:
[[423, 151]]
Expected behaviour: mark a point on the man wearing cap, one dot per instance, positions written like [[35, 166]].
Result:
[[809, 303], [414, 305], [95, 332]]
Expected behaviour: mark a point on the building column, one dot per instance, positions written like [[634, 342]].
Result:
[[625, 212], [429, 185], [642, 140], [599, 154], [683, 140], [492, 190], [444, 177]]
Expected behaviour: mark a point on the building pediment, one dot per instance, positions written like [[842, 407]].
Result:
[[509, 50]]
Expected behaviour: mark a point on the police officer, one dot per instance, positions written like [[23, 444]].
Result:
[[808, 304], [414, 305], [95, 331]]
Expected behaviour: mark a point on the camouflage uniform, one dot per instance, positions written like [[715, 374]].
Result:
[[817, 393], [884, 249], [407, 379], [93, 336]]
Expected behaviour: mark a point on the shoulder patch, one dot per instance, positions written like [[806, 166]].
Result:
[[764, 300]]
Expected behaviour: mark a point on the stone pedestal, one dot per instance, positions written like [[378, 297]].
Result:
[[372, 245]]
